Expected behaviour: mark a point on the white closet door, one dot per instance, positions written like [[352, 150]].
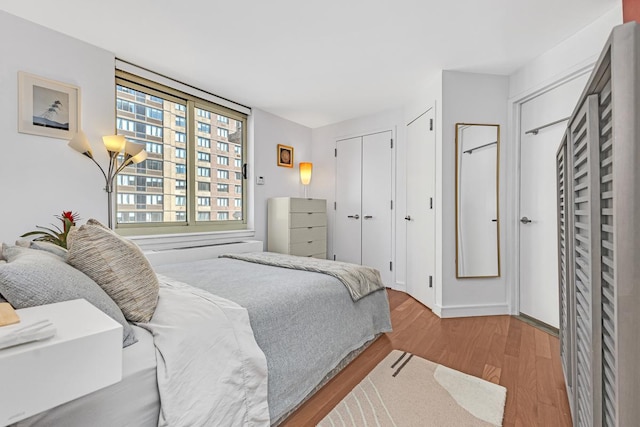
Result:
[[538, 204], [348, 231], [376, 203], [420, 214]]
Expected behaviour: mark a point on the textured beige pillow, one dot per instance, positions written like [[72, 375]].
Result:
[[118, 266]]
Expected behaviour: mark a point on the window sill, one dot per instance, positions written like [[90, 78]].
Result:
[[160, 242]]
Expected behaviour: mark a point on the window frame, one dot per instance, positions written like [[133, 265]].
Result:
[[192, 224]]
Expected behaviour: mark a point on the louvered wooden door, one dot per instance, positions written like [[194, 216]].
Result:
[[584, 274]]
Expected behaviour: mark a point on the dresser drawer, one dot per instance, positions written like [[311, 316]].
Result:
[[308, 205], [301, 235], [311, 219], [309, 248]]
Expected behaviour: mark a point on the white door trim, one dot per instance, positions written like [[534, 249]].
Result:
[[512, 214]]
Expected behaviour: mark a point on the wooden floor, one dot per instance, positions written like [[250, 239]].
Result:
[[501, 349]]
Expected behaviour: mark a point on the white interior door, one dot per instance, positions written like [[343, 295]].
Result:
[[347, 236], [376, 203], [538, 292], [420, 215]]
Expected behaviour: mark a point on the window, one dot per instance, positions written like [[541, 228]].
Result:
[[237, 149], [153, 131], [127, 106], [237, 203], [238, 189], [126, 199], [153, 147], [125, 180], [152, 165], [203, 127], [176, 128], [238, 176], [154, 182], [127, 125], [154, 113], [153, 199], [203, 113]]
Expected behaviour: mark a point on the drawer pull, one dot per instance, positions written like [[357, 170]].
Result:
[[310, 241]]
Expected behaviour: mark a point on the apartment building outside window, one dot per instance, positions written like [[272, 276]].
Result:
[[173, 187]]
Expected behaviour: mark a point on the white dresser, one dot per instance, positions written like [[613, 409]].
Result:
[[297, 226]]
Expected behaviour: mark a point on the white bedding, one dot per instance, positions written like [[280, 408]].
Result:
[[210, 370]]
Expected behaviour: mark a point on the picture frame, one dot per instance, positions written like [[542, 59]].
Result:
[[47, 107], [285, 156]]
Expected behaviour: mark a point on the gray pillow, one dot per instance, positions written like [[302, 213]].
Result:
[[118, 266], [34, 277]]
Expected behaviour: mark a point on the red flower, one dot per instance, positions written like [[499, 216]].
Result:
[[71, 217]]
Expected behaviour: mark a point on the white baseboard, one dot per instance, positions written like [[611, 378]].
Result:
[[170, 256], [450, 311]]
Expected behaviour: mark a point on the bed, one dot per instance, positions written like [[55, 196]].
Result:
[[306, 324]]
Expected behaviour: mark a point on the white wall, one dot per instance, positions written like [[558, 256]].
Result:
[[269, 131], [470, 98], [324, 173], [571, 58], [39, 176], [579, 51]]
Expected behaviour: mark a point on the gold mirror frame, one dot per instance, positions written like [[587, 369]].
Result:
[[459, 142]]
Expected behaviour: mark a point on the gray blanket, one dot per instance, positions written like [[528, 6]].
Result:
[[304, 322], [360, 280]]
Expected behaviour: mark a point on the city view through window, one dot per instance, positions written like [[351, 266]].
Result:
[[157, 189]]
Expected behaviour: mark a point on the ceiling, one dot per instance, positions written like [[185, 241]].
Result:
[[317, 62]]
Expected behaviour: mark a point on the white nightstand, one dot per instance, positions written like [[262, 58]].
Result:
[[85, 355]]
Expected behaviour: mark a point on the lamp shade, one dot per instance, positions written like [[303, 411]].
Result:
[[132, 149], [114, 143], [305, 172], [140, 157], [80, 143]]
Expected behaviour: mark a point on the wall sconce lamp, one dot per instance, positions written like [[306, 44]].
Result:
[[305, 175], [116, 145]]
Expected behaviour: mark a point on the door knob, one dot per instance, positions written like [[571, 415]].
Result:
[[408, 217], [525, 220], [368, 216], [356, 216]]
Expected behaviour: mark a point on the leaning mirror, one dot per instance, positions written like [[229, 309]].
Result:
[[477, 219]]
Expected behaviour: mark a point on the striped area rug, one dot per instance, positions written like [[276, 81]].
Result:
[[405, 391]]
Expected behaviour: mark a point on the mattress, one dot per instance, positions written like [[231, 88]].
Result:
[[134, 401]]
